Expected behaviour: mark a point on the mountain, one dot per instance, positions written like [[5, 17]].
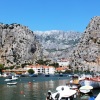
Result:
[[18, 45], [57, 44], [86, 55]]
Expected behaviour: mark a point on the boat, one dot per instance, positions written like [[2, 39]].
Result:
[[92, 81], [86, 93], [12, 83], [63, 92], [73, 82], [85, 89], [12, 78], [33, 75], [7, 80], [47, 75], [61, 75]]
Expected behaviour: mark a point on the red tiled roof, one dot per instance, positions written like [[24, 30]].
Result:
[[61, 68], [39, 66]]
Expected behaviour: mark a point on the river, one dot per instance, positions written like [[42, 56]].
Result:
[[31, 88]]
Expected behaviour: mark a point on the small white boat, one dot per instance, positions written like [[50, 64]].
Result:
[[12, 83], [13, 78], [85, 89], [64, 92], [7, 80]]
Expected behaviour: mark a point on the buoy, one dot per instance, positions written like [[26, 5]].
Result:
[[29, 82], [21, 92]]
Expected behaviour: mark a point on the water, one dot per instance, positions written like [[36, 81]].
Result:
[[35, 90]]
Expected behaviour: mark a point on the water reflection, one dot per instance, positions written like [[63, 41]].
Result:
[[29, 91]]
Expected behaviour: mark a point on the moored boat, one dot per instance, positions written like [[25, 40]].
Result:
[[47, 75], [63, 92], [92, 81], [13, 78]]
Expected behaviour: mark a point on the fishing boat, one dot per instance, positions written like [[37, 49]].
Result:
[[64, 92], [92, 81]]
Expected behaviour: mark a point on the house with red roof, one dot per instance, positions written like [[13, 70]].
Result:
[[41, 69]]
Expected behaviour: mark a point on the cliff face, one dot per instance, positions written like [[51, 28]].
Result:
[[57, 44], [87, 53], [18, 45]]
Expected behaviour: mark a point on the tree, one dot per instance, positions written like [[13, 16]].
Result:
[[42, 62], [68, 71], [1, 68], [54, 64], [31, 71]]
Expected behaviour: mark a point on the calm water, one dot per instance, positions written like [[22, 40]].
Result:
[[37, 90]]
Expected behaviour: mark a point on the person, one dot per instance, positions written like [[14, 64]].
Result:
[[49, 96]]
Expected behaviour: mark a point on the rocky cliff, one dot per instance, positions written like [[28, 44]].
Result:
[[56, 43], [86, 56], [18, 45]]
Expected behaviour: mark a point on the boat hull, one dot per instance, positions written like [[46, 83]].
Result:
[[64, 94], [94, 84]]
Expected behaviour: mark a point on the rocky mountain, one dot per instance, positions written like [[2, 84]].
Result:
[[18, 45], [57, 44], [86, 56]]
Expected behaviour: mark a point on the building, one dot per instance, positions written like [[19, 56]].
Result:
[[63, 62], [41, 69], [61, 69]]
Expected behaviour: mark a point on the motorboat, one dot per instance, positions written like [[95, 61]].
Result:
[[7, 80], [64, 92], [13, 78], [33, 75], [92, 81], [85, 89]]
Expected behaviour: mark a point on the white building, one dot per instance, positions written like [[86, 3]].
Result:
[[41, 69], [63, 62]]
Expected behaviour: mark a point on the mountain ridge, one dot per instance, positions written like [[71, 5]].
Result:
[[86, 56], [57, 43]]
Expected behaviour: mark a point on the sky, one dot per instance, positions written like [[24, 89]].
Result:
[[45, 15]]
